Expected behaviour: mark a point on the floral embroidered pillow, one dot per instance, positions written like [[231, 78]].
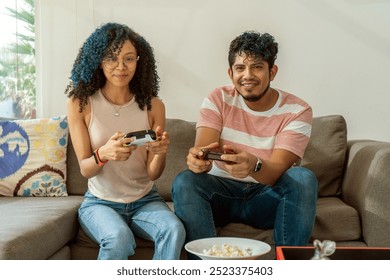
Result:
[[33, 157]]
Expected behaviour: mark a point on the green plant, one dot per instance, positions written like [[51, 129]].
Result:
[[17, 63]]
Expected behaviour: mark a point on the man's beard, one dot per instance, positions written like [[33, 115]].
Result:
[[257, 98]]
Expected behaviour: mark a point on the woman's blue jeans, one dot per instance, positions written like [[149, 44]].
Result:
[[204, 202], [113, 226]]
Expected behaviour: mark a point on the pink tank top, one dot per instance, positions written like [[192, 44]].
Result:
[[118, 181]]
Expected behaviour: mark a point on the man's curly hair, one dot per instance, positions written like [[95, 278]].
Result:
[[255, 45], [107, 40]]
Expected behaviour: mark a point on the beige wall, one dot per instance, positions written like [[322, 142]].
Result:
[[334, 54]]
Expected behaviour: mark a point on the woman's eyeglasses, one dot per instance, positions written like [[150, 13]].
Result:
[[112, 62]]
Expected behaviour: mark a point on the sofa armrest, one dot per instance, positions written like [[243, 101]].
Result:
[[366, 187]]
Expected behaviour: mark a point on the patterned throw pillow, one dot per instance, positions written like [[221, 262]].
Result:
[[33, 157]]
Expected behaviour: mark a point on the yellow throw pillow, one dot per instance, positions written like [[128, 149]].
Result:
[[33, 157]]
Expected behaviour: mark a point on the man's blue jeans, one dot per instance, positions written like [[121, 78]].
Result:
[[204, 202], [113, 225]]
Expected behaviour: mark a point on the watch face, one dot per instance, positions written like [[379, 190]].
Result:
[[258, 165]]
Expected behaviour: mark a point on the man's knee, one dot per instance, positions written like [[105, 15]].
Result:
[[303, 176], [307, 184], [184, 185], [309, 181], [300, 181], [180, 180]]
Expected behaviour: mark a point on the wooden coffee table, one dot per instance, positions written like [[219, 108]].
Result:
[[341, 253]]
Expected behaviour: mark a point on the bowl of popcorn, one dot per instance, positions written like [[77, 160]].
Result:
[[232, 248]]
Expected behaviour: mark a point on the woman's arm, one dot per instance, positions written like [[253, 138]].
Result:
[[157, 151], [80, 138]]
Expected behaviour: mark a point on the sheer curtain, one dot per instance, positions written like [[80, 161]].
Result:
[[17, 59]]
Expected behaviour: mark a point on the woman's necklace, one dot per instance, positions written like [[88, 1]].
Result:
[[116, 114]]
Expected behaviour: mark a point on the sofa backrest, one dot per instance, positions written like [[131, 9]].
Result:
[[325, 156], [76, 184], [182, 137]]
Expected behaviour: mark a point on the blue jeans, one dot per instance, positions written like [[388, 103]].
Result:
[[113, 226], [204, 202]]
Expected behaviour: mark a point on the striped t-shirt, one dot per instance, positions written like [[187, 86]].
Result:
[[287, 125]]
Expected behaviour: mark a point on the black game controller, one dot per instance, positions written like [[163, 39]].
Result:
[[141, 137], [215, 154]]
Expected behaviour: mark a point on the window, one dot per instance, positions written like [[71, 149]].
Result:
[[17, 59]]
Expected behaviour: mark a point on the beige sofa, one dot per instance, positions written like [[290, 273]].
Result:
[[353, 205]]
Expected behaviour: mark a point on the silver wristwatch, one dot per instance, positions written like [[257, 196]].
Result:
[[258, 165]]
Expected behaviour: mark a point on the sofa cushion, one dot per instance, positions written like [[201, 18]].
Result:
[[61, 254], [332, 215], [85, 248], [36, 227], [336, 221], [33, 156], [182, 137], [326, 153]]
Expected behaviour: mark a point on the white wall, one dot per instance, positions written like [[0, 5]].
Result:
[[335, 54]]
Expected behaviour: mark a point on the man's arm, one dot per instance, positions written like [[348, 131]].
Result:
[[205, 137], [271, 170]]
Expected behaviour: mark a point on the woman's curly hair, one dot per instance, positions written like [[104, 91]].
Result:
[[87, 76], [256, 45]]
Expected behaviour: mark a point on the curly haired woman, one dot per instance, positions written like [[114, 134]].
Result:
[[113, 90]]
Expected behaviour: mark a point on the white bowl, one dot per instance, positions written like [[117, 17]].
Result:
[[196, 247]]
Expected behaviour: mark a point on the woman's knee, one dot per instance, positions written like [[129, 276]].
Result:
[[120, 238], [176, 229]]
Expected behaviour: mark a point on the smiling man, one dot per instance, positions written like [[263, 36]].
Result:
[[261, 132]]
